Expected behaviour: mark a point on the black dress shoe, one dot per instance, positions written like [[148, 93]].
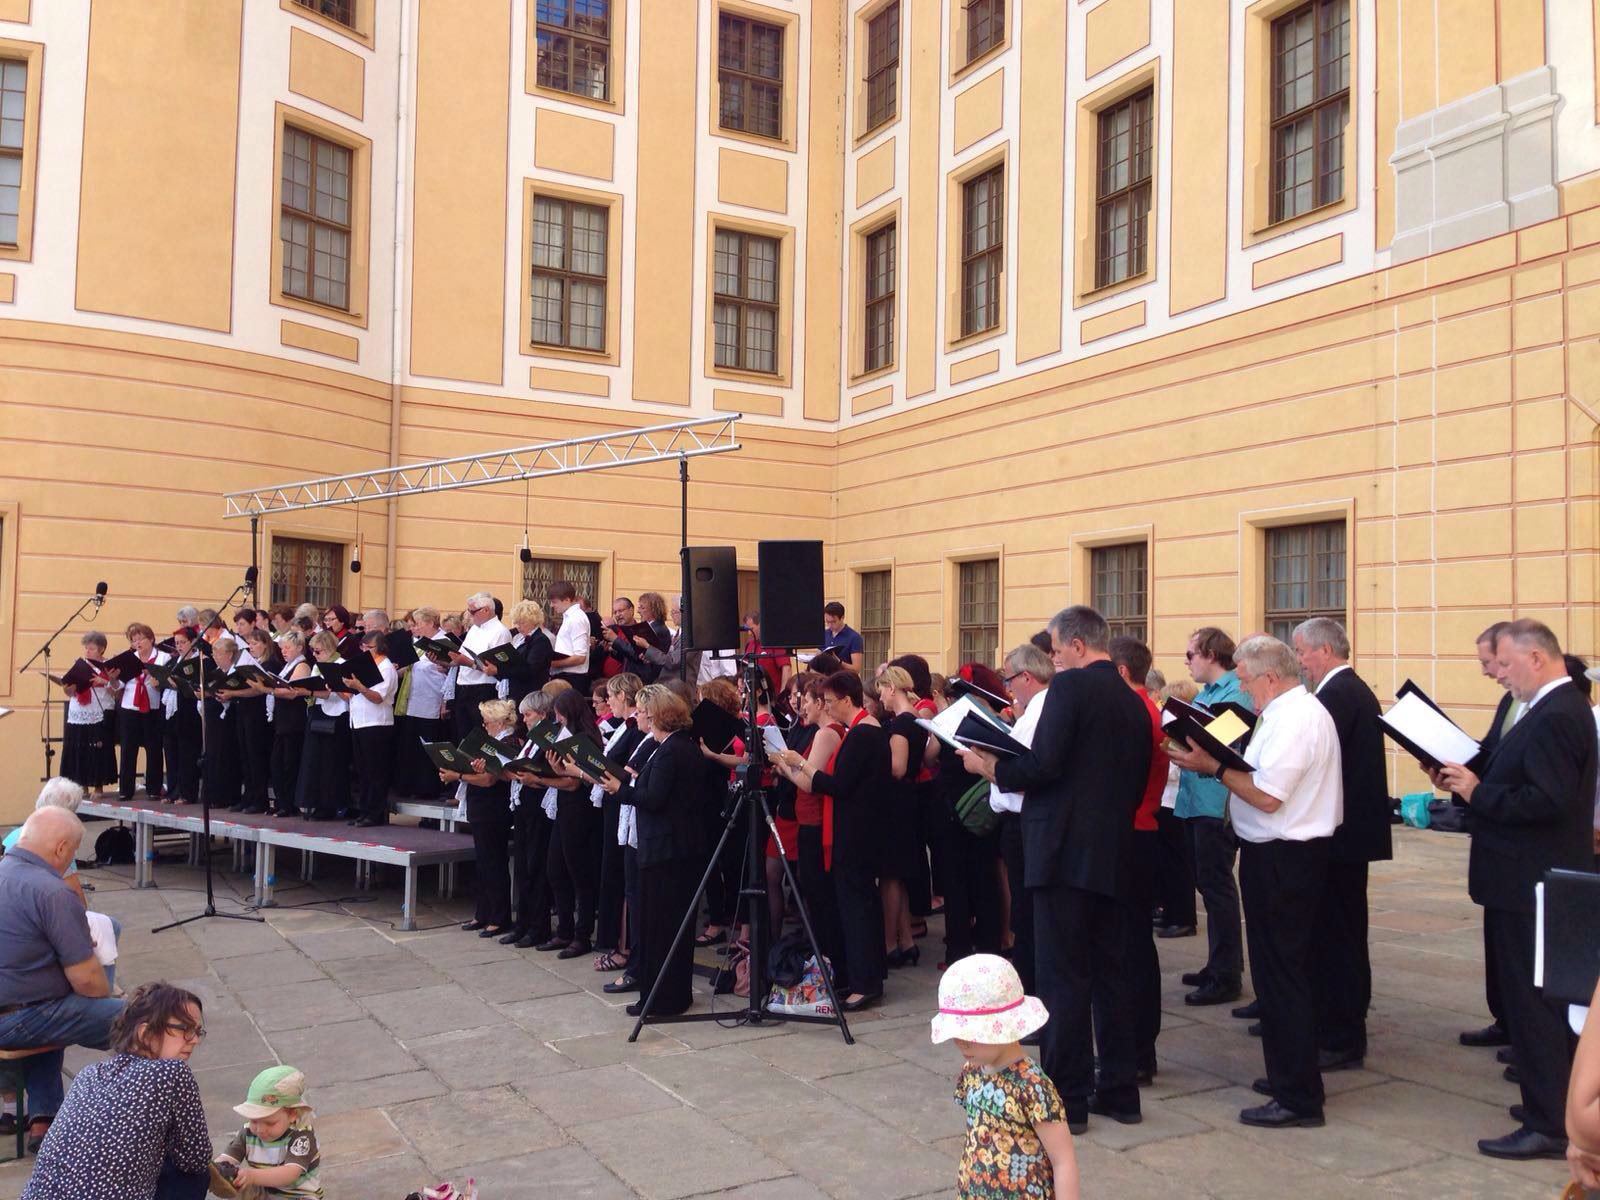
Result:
[[1524, 1144], [1273, 1115], [367, 822], [1253, 1030], [473, 926], [527, 941], [1077, 1118], [1175, 931], [1519, 1114], [490, 931], [1212, 992], [1493, 1034], [1194, 978], [866, 1001], [618, 986], [576, 950], [511, 939], [1511, 1074], [1144, 1076], [1122, 1116], [1340, 1060], [1247, 1012], [555, 943], [1262, 1087], [1506, 1055]]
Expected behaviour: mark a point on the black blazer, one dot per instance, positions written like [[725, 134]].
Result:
[[1365, 833], [1533, 808], [529, 670], [623, 750], [667, 795], [859, 784], [1082, 782]]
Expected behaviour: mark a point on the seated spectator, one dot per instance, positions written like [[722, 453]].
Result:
[[53, 991]]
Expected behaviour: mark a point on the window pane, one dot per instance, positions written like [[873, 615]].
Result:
[[725, 264], [726, 319], [590, 63], [555, 58], [553, 12], [592, 17], [587, 318], [731, 34], [296, 235], [547, 298], [761, 269], [549, 234], [761, 349], [766, 51], [1330, 151], [588, 239], [730, 110], [1333, 49], [766, 110]]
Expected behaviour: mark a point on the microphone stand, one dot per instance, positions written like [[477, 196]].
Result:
[[210, 910], [44, 652]]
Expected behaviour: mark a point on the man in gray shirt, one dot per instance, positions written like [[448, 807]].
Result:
[[53, 991]]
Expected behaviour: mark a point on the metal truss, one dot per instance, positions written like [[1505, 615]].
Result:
[[598, 452]]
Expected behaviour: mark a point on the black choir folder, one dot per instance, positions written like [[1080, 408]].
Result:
[[716, 727], [1567, 949], [1419, 726], [1211, 729]]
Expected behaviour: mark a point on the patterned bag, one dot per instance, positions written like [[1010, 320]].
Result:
[[808, 998]]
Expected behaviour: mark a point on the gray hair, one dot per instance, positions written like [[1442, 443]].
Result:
[[1030, 660], [1531, 635], [188, 615], [1323, 631], [480, 600], [536, 704], [1081, 623], [1266, 654], [308, 610], [1155, 679], [375, 618], [292, 637], [60, 792]]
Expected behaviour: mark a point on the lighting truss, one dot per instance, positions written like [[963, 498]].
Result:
[[677, 441]]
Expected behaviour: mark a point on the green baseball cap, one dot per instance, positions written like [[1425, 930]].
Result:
[[273, 1089]]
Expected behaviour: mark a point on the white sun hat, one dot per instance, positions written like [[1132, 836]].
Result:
[[981, 1000]]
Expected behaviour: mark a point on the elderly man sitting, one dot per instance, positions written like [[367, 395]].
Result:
[[53, 991]]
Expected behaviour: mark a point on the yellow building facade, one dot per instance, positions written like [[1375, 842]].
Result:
[[1205, 311]]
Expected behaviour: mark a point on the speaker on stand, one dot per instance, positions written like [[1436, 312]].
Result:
[[710, 598], [790, 593]]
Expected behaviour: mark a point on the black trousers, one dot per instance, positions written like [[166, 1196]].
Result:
[[1341, 968], [630, 892], [1175, 876], [325, 768], [727, 872], [855, 890], [816, 890], [574, 865], [491, 849], [665, 892], [1282, 882], [464, 708], [1143, 964], [1213, 845], [1080, 954], [971, 892], [1023, 952], [140, 731], [287, 747], [182, 753], [373, 748], [415, 774], [608, 932], [1539, 1034], [220, 772], [253, 738], [1491, 978], [531, 850]]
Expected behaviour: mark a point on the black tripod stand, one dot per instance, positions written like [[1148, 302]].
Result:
[[43, 652], [210, 910], [754, 892]]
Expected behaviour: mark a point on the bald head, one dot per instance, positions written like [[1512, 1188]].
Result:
[[53, 834]]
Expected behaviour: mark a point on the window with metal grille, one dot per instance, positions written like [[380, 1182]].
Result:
[[13, 119], [986, 26], [541, 574], [306, 572], [574, 47], [1118, 588], [342, 11], [1305, 575], [978, 611], [745, 279], [315, 221], [983, 235], [750, 76], [1310, 106], [1122, 189], [883, 66], [880, 267], [569, 274], [877, 618]]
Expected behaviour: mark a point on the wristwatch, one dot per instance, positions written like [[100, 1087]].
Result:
[[1217, 774]]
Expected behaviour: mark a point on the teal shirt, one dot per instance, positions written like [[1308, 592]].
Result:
[[11, 840], [1201, 795]]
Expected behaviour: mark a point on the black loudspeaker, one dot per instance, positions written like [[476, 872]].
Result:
[[710, 598], [790, 591]]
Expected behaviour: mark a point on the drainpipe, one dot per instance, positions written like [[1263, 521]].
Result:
[[396, 364]]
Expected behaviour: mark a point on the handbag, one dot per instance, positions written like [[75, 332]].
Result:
[[321, 724], [973, 810]]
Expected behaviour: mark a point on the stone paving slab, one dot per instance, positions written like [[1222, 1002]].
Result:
[[438, 1054]]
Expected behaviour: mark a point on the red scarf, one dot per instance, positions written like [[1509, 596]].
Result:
[[827, 801], [141, 696]]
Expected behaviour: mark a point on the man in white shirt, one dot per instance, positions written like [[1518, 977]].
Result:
[[571, 661], [473, 687], [1284, 813], [372, 734], [1027, 673]]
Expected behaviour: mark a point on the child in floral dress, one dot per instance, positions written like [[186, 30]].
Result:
[[1018, 1144]]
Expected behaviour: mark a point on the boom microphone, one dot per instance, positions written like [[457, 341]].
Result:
[[99, 594], [250, 574]]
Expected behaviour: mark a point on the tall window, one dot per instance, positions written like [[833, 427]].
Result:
[[978, 611], [983, 235], [306, 572], [1118, 588], [13, 113], [315, 221], [541, 574], [750, 72], [574, 47], [1122, 189], [877, 618], [342, 11], [1305, 575], [879, 339], [883, 65], [1310, 106], [745, 279], [569, 274], [986, 25]]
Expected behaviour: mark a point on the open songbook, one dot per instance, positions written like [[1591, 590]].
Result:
[[591, 759], [1419, 727], [80, 674], [716, 727], [967, 723], [643, 630], [1213, 729]]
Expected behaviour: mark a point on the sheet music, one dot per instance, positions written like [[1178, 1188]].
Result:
[[944, 725], [1435, 733], [772, 737]]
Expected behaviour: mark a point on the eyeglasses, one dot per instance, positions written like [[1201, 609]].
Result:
[[1006, 679], [188, 1033], [1190, 655]]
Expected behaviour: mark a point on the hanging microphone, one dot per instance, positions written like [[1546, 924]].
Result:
[[99, 594], [250, 574]]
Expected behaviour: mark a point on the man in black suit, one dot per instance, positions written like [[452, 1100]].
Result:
[[1341, 970], [1081, 783], [1532, 809]]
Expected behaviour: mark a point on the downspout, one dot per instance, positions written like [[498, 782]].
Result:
[[396, 371]]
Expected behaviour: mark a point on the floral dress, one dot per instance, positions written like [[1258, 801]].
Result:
[[1003, 1157]]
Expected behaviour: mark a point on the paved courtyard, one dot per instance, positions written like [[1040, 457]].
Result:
[[437, 1054]]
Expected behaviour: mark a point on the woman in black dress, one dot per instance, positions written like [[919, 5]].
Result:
[[489, 814], [666, 795], [288, 723], [574, 854], [858, 786], [905, 856]]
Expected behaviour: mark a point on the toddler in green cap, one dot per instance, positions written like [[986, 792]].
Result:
[[276, 1153]]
